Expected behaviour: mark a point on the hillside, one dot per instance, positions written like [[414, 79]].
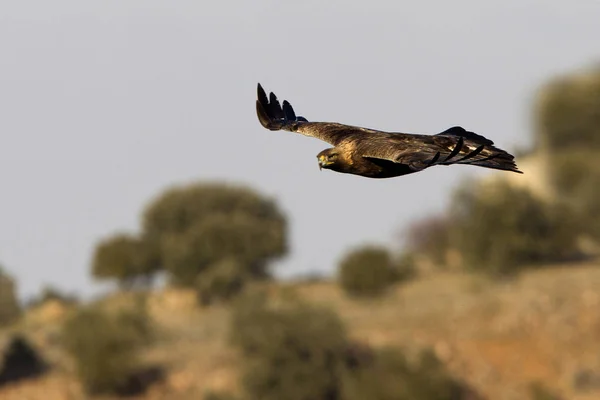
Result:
[[499, 337]]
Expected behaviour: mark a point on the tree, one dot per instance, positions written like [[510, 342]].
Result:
[[505, 229], [367, 271], [293, 352], [568, 115], [126, 258], [9, 305], [568, 120], [201, 225], [106, 347]]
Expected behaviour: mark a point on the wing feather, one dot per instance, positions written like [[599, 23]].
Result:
[[423, 151], [275, 117]]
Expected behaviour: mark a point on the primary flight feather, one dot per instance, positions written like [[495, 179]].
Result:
[[378, 154]]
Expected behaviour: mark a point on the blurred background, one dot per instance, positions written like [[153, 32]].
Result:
[[157, 243]]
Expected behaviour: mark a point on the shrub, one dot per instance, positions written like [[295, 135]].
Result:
[[292, 352], [567, 114], [537, 391], [576, 176], [9, 306], [218, 396], [366, 272], [221, 281], [105, 347], [507, 229], [19, 360], [299, 352], [404, 268], [391, 376]]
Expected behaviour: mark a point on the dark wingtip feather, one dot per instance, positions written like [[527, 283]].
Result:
[[275, 107], [263, 116], [271, 114], [462, 132], [262, 96], [288, 111]]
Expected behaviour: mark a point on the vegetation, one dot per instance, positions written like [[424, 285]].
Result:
[[291, 353], [9, 305], [567, 115], [389, 375], [126, 259], [204, 225], [20, 360], [369, 271], [507, 229], [105, 347], [569, 130], [301, 352], [50, 293], [538, 391], [222, 281]]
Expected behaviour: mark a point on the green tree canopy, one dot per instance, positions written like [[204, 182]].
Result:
[[568, 112], [9, 304], [367, 271], [203, 224], [568, 121], [125, 258], [503, 230]]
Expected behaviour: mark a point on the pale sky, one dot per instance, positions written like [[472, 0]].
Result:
[[104, 104]]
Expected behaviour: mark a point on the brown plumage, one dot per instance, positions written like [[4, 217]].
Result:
[[377, 154]]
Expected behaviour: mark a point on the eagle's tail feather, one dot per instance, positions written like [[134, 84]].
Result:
[[474, 149], [272, 115]]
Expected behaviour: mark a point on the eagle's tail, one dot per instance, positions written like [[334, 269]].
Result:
[[473, 149], [272, 115]]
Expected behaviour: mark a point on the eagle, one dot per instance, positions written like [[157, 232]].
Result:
[[378, 154]]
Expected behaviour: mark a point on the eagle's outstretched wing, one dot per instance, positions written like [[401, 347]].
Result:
[[275, 116], [453, 146]]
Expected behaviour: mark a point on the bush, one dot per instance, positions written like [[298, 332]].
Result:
[[576, 176], [221, 281], [9, 305], [538, 391], [19, 360], [568, 116], [367, 271], [391, 376], [293, 352], [299, 352], [404, 268], [507, 229], [105, 347], [218, 396]]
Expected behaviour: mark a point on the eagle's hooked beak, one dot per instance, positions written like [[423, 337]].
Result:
[[321, 162]]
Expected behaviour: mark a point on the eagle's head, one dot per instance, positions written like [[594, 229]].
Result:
[[328, 158]]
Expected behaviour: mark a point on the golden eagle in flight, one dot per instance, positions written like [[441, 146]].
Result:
[[377, 154]]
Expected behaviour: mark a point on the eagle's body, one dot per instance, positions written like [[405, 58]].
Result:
[[378, 154]]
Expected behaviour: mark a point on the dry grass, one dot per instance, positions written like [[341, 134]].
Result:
[[499, 336]]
